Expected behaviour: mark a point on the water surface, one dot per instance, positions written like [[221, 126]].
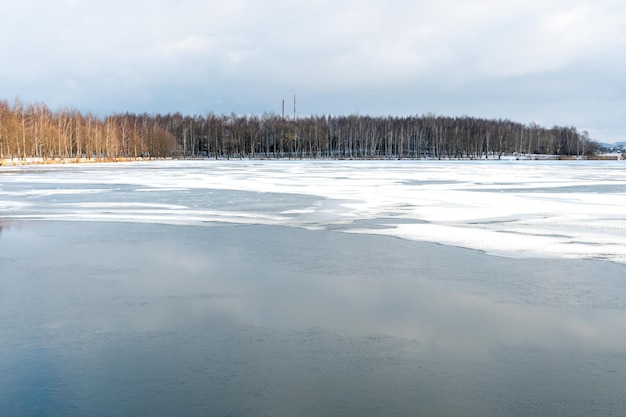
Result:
[[136, 319]]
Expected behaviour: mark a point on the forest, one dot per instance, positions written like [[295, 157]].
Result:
[[35, 131]]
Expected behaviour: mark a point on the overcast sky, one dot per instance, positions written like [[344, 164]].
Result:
[[553, 62]]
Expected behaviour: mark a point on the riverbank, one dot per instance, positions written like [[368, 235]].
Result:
[[57, 161], [530, 157]]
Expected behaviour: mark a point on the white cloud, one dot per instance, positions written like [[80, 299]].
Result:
[[484, 57]]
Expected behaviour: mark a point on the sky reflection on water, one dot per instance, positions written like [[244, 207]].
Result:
[[105, 319]]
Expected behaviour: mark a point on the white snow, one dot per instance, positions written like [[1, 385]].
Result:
[[574, 209]]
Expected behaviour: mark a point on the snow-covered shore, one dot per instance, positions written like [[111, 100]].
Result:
[[62, 161], [516, 157]]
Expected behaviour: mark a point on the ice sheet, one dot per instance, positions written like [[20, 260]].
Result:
[[514, 208]]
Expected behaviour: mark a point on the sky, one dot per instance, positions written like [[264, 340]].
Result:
[[551, 62]]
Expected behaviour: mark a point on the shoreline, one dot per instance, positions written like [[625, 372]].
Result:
[[72, 161], [64, 161]]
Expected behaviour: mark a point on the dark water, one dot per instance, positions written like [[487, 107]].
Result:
[[114, 319]]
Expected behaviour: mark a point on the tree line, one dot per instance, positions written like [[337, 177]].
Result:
[[35, 131]]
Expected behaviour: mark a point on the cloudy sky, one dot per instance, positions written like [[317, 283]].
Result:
[[553, 62]]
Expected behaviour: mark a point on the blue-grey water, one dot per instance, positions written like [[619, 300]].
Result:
[[121, 319], [137, 318]]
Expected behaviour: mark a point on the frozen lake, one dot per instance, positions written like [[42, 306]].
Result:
[[572, 209], [253, 288]]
